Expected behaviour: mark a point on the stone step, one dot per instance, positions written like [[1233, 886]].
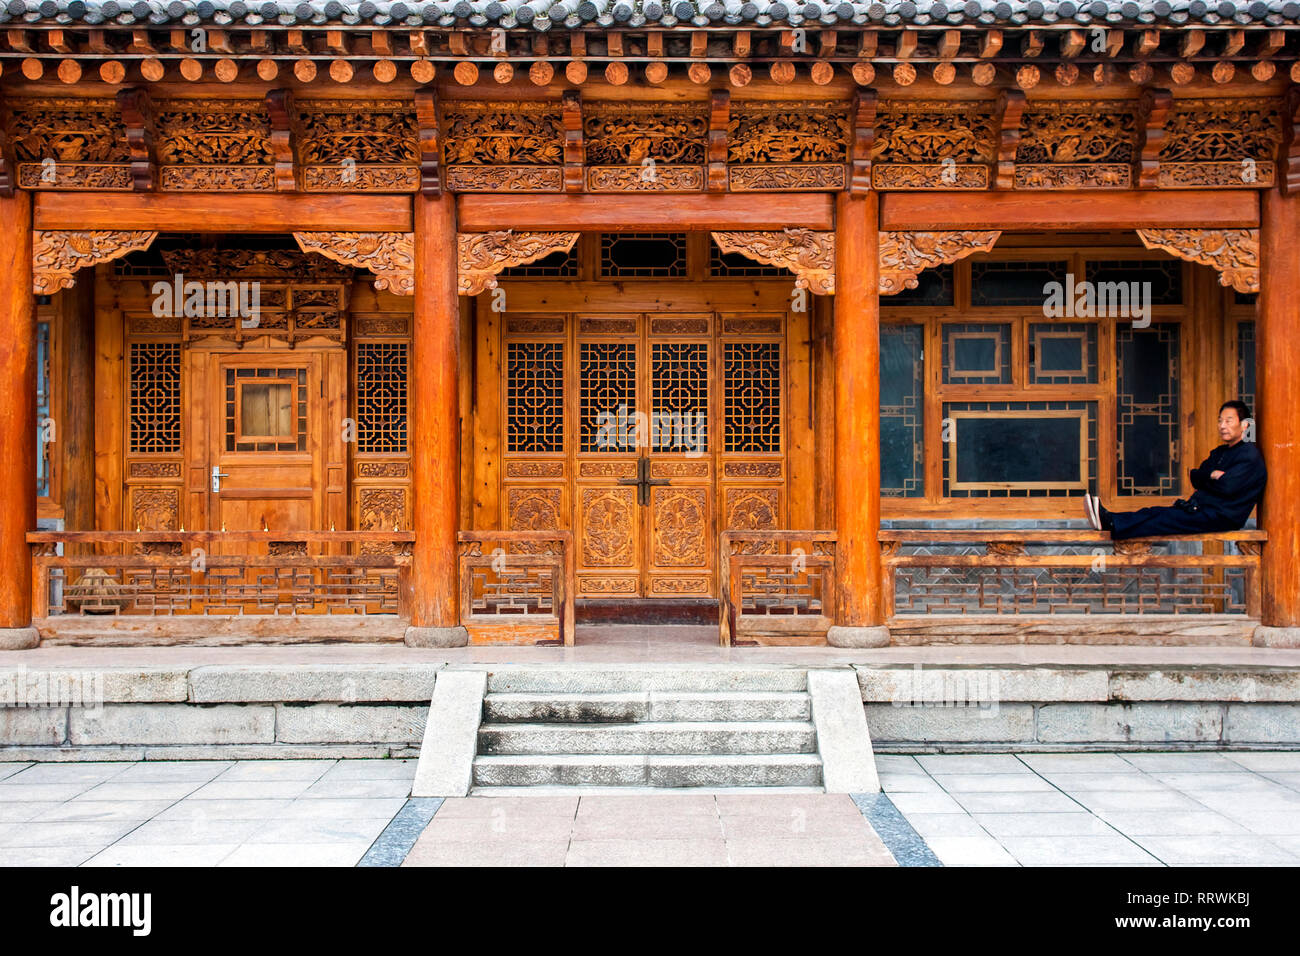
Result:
[[633, 678], [650, 737], [647, 706], [635, 770]]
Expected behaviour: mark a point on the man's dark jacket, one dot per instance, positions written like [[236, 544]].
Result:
[[1230, 497]]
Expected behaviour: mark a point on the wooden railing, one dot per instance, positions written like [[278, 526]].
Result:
[[776, 587], [1067, 572], [516, 587], [219, 572]]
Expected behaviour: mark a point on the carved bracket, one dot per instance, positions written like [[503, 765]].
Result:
[[809, 254], [57, 255], [484, 254], [904, 255], [1234, 253], [389, 255]]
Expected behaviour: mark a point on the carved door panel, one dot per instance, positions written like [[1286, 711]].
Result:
[[264, 442], [607, 512]]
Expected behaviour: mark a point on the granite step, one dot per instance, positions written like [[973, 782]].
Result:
[[650, 737], [639, 679], [637, 770], [627, 707]]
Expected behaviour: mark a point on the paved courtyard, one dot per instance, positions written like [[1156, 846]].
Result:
[[1100, 809]]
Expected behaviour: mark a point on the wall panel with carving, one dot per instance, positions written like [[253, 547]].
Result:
[[380, 452]]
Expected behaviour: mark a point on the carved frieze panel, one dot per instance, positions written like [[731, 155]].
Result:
[[753, 509], [1221, 142], [502, 134], [223, 145], [481, 255], [680, 519], [514, 179], [607, 536], [648, 178], [904, 255], [533, 509], [358, 145], [390, 256], [534, 469], [155, 509], [629, 134], [380, 509], [57, 255], [1072, 145], [808, 253], [787, 146], [1234, 253], [933, 145], [67, 143]]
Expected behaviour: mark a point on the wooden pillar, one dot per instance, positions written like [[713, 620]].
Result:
[[856, 355], [1278, 394], [17, 421], [435, 431]]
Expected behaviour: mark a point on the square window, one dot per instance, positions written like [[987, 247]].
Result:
[[977, 354]]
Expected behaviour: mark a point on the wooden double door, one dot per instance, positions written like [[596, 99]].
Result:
[[665, 430]]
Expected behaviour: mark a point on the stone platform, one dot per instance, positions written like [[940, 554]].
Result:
[[372, 700]]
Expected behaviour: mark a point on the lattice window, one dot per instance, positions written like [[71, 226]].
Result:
[[733, 265], [382, 374], [1158, 281], [902, 411], [976, 354], [679, 396], [42, 407], [1246, 366], [266, 409], [751, 403], [639, 255], [561, 264], [1019, 449], [1062, 353], [155, 404], [535, 396], [607, 396], [934, 287], [1146, 408], [1014, 283]]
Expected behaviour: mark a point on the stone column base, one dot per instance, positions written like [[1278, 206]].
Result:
[[18, 638], [437, 636], [858, 636], [1276, 636]]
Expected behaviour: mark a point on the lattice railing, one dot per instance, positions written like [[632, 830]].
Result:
[[777, 587], [219, 573], [1041, 572], [516, 586]]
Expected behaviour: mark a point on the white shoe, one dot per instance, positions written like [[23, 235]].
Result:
[[1090, 506]]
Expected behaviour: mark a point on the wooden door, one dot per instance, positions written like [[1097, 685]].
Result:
[[264, 442]]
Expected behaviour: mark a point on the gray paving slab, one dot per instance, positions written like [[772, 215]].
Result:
[[971, 763], [7, 770], [1216, 850], [1098, 850], [178, 855]]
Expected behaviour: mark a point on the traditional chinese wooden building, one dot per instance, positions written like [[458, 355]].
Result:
[[640, 308]]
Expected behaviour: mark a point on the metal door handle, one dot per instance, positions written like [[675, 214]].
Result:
[[217, 475]]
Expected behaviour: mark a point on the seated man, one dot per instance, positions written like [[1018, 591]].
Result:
[[1228, 485]]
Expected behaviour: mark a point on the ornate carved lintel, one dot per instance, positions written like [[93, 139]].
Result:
[[904, 255], [809, 254], [1234, 253], [484, 254], [389, 255], [57, 255]]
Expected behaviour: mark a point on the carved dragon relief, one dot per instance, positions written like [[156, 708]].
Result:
[[1234, 253], [809, 254], [904, 255], [389, 255], [481, 255], [57, 255]]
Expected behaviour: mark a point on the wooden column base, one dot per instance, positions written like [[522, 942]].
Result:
[[437, 636]]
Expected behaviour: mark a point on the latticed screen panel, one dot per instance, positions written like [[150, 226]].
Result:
[[975, 354], [155, 403], [383, 371], [1062, 353], [607, 399], [679, 396], [42, 408], [284, 419], [639, 255], [562, 264], [1246, 366], [733, 265], [1146, 408], [535, 396], [902, 411], [1014, 283], [751, 405], [934, 287], [1154, 281], [1019, 449]]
